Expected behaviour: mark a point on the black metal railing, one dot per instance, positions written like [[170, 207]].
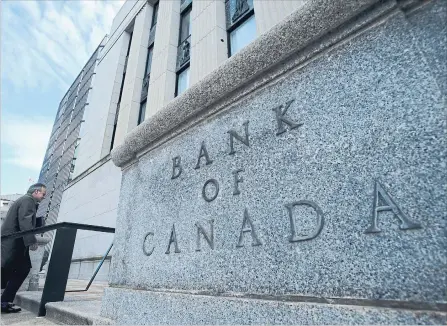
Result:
[[60, 260], [96, 271]]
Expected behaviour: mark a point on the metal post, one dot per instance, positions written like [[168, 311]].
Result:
[[58, 267], [99, 266], [96, 271]]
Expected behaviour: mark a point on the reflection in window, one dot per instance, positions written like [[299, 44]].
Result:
[[147, 69], [142, 115], [154, 15], [149, 61], [183, 50], [243, 35], [183, 81], [185, 26]]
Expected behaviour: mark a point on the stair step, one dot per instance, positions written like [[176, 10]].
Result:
[[82, 308], [76, 313], [25, 317], [29, 300]]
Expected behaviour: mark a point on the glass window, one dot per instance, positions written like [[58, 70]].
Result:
[[130, 42], [243, 35], [183, 81], [155, 15], [185, 26], [149, 61], [237, 9], [82, 129], [113, 137], [142, 115], [76, 151]]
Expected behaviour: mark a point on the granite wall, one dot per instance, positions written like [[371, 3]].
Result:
[[318, 196]]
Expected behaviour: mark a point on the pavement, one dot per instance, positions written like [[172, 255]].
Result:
[[77, 308], [24, 317]]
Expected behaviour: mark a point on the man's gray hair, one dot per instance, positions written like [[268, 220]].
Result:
[[36, 186]]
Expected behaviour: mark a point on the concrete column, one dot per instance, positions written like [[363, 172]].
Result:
[[208, 38], [269, 13], [112, 66], [163, 76], [133, 82]]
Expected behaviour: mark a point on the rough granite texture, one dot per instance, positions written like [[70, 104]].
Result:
[[309, 23], [432, 19], [180, 309], [371, 108]]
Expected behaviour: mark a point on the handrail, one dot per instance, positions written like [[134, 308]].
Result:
[[60, 260], [56, 226]]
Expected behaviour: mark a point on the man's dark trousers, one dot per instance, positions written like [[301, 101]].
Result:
[[11, 282], [15, 272]]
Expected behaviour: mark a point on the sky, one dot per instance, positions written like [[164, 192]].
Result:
[[44, 45]]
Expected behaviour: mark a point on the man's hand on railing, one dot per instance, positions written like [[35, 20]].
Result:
[[34, 247]]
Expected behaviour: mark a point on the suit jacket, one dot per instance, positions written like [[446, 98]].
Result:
[[21, 216]]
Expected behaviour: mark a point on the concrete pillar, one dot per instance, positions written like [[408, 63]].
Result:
[[269, 13], [112, 66], [163, 76], [133, 82], [208, 38]]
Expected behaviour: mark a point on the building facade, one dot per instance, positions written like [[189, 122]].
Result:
[[155, 51]]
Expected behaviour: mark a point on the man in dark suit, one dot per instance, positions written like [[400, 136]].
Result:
[[16, 262]]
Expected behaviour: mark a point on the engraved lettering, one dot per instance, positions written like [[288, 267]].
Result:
[[172, 239], [234, 134], [209, 239], [203, 153], [247, 226], [318, 227], [281, 119], [380, 194], [148, 253], [176, 167], [216, 190], [236, 181]]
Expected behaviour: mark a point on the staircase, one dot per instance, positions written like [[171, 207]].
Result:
[[78, 308]]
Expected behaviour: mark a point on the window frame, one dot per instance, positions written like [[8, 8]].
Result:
[[140, 120], [242, 19], [186, 10], [149, 50], [154, 14], [185, 67], [235, 26]]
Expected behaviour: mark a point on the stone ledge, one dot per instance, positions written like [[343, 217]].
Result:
[[440, 307], [76, 313], [175, 308], [78, 308], [311, 22], [29, 300]]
